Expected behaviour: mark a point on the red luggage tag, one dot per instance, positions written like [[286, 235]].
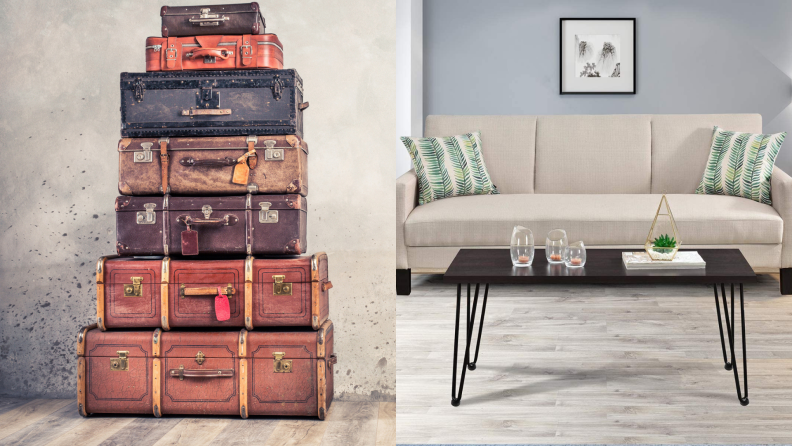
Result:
[[222, 309], [189, 242]]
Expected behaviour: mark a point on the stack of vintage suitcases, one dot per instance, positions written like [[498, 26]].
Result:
[[209, 307]]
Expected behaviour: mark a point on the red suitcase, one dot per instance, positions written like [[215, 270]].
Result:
[[170, 293], [245, 52], [287, 372]]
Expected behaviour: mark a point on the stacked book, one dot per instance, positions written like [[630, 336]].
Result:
[[682, 260], [210, 306]]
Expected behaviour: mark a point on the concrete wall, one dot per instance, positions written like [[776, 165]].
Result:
[[59, 127], [703, 56]]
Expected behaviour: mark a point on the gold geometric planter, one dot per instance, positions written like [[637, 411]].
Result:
[[663, 224]]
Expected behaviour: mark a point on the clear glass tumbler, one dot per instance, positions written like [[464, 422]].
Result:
[[522, 246], [555, 246], [575, 255]]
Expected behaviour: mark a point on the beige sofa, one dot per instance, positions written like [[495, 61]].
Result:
[[600, 177]]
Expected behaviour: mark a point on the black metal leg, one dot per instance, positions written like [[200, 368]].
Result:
[[456, 397], [472, 365], [730, 328]]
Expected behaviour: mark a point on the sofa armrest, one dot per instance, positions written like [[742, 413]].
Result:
[[781, 190], [406, 201]]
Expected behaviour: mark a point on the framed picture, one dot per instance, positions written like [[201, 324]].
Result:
[[597, 56]]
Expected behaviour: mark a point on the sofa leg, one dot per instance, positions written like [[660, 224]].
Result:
[[403, 284], [786, 280]]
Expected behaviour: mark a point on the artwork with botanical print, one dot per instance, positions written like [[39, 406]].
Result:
[[597, 55]]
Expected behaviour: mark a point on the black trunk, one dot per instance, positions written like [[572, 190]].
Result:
[[786, 281], [403, 284], [219, 103]]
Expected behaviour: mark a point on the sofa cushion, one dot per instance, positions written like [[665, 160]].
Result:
[[508, 146], [602, 219], [740, 164], [590, 154], [681, 144]]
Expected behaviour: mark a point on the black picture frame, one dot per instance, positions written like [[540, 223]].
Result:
[[561, 53]]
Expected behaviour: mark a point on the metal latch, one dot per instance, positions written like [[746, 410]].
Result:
[[148, 217], [134, 289], [270, 153], [207, 211], [279, 288], [282, 365], [208, 98], [206, 19], [266, 215], [277, 87], [139, 89], [145, 155], [121, 364], [199, 358]]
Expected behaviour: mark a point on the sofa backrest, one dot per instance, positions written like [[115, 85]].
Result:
[[596, 154]]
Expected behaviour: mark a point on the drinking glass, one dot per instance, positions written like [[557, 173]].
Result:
[[575, 255], [555, 246], [522, 246]]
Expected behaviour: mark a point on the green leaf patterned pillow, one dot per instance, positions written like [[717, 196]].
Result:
[[449, 166], [741, 164]]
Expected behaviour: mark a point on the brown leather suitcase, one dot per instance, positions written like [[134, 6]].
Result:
[[171, 293], [243, 52], [206, 166], [242, 18], [283, 372], [250, 224]]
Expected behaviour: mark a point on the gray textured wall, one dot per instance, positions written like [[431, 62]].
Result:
[[59, 127], [703, 56]]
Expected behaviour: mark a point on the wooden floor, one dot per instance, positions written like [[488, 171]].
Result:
[[56, 422], [593, 364]]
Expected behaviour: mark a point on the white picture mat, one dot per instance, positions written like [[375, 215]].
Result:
[[570, 82]]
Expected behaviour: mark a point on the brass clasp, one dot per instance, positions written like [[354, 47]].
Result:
[[199, 358], [279, 288], [120, 364], [282, 365], [134, 289]]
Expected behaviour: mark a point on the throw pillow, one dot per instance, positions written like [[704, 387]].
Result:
[[741, 164], [449, 166]]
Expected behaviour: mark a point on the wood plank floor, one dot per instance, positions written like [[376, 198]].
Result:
[[593, 364], [44, 422]]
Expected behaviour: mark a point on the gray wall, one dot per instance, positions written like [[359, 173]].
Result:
[[59, 128], [703, 56]]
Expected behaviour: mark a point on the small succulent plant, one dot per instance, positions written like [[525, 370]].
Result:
[[664, 241]]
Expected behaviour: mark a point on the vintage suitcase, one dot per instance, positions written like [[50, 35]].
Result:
[[206, 166], [283, 372], [251, 224], [214, 53], [242, 18], [171, 293], [211, 103]]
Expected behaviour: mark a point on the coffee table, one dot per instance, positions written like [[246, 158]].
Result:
[[603, 266]]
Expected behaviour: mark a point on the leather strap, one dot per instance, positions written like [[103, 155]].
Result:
[[252, 158], [171, 53], [164, 286], [243, 374], [156, 381], [249, 293], [164, 163], [100, 294], [246, 50], [200, 373]]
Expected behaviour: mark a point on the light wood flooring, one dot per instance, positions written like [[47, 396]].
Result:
[[56, 422], [593, 364]]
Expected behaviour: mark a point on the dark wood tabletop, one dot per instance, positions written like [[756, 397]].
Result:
[[603, 266]]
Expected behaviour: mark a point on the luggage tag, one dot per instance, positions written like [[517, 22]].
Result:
[[241, 170], [222, 309], [189, 242]]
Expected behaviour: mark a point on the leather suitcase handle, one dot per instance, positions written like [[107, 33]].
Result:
[[182, 373], [221, 162], [204, 111], [227, 220], [211, 52], [303, 105], [208, 20], [327, 285], [207, 291], [333, 359]]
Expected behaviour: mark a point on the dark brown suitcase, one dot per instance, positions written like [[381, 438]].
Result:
[[285, 372], [242, 18], [214, 53], [171, 293], [211, 103], [251, 224], [205, 166]]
